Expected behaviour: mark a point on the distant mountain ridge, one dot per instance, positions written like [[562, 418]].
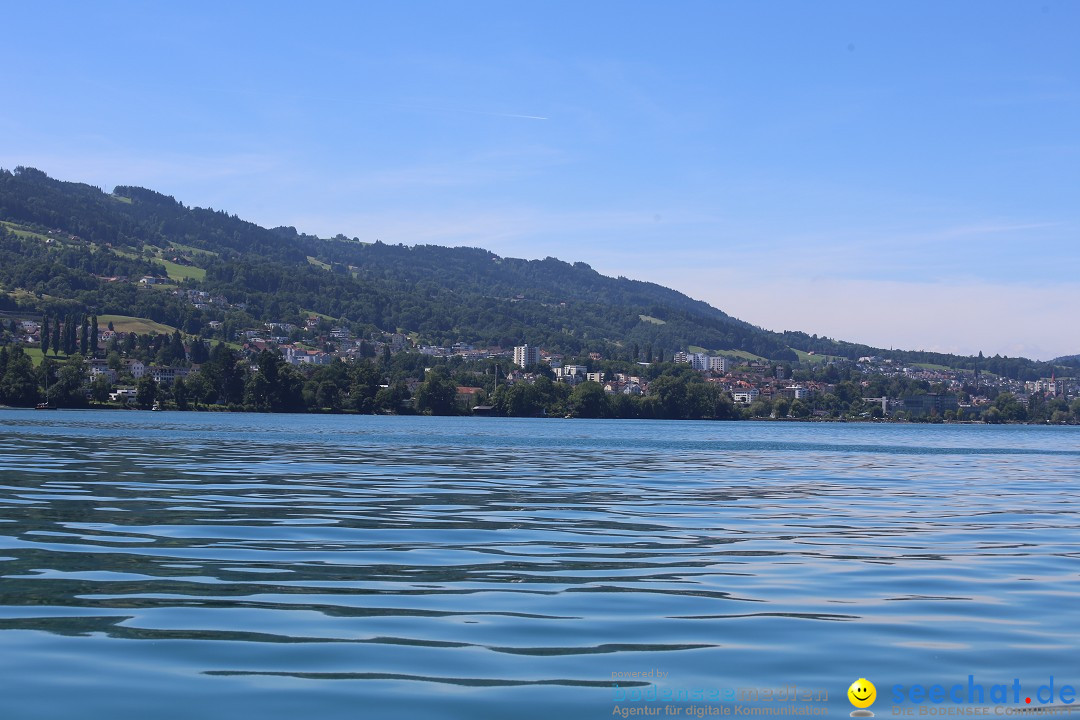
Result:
[[440, 295]]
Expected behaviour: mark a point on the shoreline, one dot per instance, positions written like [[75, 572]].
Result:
[[861, 421]]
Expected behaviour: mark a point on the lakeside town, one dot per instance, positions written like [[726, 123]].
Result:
[[210, 312], [111, 366]]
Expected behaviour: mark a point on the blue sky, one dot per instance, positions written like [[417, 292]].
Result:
[[904, 174]]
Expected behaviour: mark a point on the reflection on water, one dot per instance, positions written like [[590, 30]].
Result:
[[212, 565]]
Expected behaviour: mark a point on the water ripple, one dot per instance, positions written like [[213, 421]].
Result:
[[331, 561]]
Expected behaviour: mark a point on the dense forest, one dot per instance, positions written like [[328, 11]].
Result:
[[63, 247]]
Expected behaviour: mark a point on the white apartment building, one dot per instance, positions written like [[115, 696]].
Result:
[[167, 375], [797, 392], [135, 367], [525, 355], [746, 396], [698, 361], [719, 364]]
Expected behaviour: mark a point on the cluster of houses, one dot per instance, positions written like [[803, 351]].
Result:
[[347, 347], [746, 386], [161, 374], [986, 384], [747, 381]]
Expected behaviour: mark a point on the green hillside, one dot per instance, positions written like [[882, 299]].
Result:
[[437, 294]]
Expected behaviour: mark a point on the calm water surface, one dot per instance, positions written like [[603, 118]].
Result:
[[167, 565]]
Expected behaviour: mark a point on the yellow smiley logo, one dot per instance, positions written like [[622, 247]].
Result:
[[862, 693]]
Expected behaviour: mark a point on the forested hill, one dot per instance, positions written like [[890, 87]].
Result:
[[442, 294], [132, 216], [63, 244]]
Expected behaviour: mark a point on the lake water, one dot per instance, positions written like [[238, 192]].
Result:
[[171, 565]]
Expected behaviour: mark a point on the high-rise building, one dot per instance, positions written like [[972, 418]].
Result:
[[525, 355], [718, 363]]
